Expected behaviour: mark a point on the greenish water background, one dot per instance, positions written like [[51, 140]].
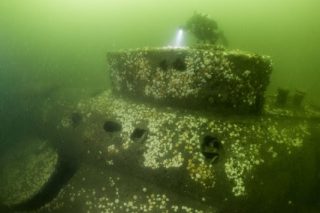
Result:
[[58, 48], [64, 42]]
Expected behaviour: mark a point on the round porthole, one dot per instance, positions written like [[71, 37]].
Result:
[[112, 126], [139, 134], [210, 147]]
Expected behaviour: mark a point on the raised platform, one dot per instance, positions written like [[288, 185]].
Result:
[[207, 77]]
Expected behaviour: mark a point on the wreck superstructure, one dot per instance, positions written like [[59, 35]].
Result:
[[207, 77], [184, 130]]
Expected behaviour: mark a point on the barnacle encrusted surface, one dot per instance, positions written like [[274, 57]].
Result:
[[174, 139], [28, 168], [203, 77]]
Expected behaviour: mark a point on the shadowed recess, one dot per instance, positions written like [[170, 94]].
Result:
[[210, 147], [138, 134], [112, 126]]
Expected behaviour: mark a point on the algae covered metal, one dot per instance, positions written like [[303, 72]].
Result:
[[189, 130], [186, 130], [203, 77], [29, 167]]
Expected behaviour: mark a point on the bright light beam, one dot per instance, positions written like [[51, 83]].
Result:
[[179, 39]]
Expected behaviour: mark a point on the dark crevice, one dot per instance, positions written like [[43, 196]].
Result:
[[138, 134], [112, 126], [210, 147]]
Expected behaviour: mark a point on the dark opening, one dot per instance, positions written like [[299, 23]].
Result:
[[163, 65], [138, 134], [112, 126], [76, 118], [210, 147], [179, 64]]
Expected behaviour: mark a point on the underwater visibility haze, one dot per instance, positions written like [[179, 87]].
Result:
[[159, 106]]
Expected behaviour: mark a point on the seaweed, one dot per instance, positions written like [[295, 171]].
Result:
[[205, 29]]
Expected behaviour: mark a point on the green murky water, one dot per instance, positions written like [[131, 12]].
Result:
[[54, 52]]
